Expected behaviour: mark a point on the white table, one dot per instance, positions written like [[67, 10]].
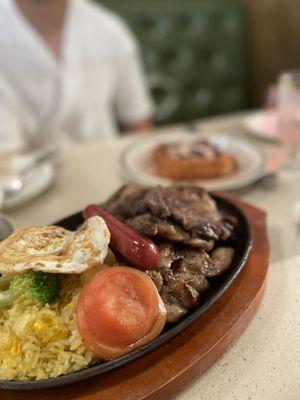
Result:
[[265, 361]]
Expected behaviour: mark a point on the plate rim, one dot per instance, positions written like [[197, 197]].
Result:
[[99, 369], [129, 174]]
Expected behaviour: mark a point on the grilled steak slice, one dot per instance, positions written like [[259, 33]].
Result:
[[174, 310], [190, 207], [153, 226], [221, 258], [181, 276], [181, 288], [182, 259], [209, 266], [157, 279], [127, 202], [181, 213], [180, 299]]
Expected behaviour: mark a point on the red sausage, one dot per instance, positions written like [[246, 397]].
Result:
[[137, 250]]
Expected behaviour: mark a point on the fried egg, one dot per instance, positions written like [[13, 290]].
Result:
[[55, 249]]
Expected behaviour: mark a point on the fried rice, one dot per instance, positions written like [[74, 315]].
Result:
[[40, 342]]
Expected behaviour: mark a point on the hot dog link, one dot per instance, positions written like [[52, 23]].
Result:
[[137, 250]]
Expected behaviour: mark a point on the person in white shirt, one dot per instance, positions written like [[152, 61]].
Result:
[[68, 69]]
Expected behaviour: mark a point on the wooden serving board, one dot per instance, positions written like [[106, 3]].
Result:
[[165, 372]]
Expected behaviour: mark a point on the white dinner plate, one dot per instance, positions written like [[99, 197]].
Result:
[[136, 166], [36, 183], [263, 124]]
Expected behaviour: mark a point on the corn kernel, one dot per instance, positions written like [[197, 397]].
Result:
[[40, 326], [8, 361], [16, 348]]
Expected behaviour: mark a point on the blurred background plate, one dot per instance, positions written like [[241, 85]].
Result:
[[40, 179], [136, 163], [263, 124]]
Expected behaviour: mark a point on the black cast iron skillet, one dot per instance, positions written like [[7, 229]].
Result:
[[241, 242]]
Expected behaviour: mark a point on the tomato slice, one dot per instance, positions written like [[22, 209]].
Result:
[[120, 305], [118, 310], [85, 331]]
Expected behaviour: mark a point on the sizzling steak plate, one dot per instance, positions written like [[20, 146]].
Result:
[[240, 242]]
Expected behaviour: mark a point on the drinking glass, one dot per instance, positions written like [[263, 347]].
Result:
[[289, 116]]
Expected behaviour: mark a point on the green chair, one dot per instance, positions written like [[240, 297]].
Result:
[[194, 54]]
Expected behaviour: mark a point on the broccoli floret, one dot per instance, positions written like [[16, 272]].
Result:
[[36, 285]]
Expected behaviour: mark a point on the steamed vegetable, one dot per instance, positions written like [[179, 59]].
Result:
[[39, 286], [118, 311], [5, 281]]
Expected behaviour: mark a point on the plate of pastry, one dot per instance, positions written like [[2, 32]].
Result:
[[212, 161]]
